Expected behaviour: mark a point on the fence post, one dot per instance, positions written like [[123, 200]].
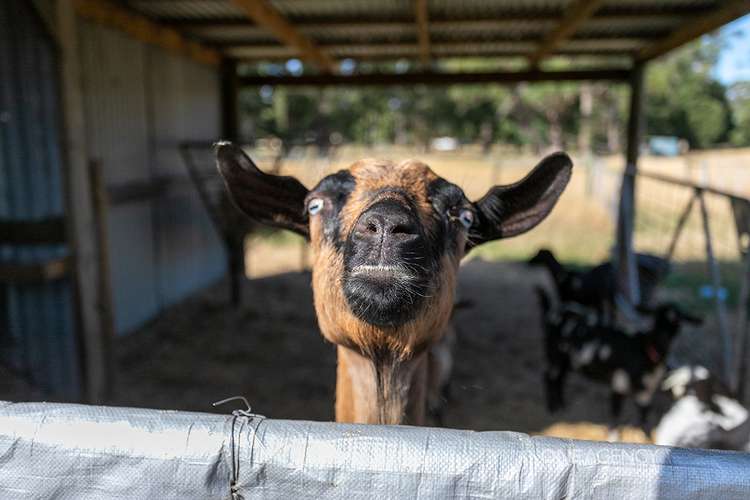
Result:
[[229, 91], [628, 287], [104, 291], [80, 206], [713, 268], [741, 212], [740, 341]]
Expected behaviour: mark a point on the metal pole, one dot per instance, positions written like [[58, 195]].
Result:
[[678, 230], [713, 268], [740, 344], [229, 99], [627, 276]]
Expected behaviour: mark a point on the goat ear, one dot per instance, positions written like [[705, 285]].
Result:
[[269, 199], [513, 209]]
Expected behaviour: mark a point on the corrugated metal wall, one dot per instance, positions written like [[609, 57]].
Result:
[[140, 103], [37, 325]]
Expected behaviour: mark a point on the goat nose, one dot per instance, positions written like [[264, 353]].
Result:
[[387, 220]]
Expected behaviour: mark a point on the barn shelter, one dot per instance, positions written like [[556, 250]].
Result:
[[99, 230]]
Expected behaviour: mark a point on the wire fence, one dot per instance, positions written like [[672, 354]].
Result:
[[698, 221]]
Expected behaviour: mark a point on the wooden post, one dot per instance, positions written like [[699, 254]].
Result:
[[229, 100], [721, 313], [635, 117], [80, 211], [106, 311], [235, 247], [627, 272], [421, 14]]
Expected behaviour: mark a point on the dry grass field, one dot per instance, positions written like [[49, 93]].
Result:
[[582, 226]]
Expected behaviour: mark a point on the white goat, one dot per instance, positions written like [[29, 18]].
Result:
[[700, 417]]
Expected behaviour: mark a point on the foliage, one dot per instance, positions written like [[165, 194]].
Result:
[[683, 98], [740, 102]]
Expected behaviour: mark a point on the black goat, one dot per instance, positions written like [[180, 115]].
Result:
[[596, 287], [632, 365]]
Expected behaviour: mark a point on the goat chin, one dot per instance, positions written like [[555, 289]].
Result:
[[384, 295]]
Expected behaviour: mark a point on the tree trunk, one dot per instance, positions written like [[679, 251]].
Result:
[[586, 105], [555, 129]]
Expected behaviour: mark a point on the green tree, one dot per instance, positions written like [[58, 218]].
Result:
[[739, 98], [683, 99]]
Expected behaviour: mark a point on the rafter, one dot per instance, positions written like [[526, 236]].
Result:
[[622, 47], [423, 31], [692, 30], [141, 28], [574, 17], [431, 78], [263, 13]]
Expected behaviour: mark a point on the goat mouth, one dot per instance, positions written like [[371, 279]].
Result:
[[384, 295], [382, 272]]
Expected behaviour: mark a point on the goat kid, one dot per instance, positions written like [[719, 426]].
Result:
[[704, 415], [386, 242], [596, 287], [632, 365]]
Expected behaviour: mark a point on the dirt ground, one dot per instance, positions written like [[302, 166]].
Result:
[[270, 351]]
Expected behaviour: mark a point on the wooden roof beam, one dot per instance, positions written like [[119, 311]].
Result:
[[108, 14], [695, 29], [430, 78], [263, 13], [423, 32], [621, 47], [574, 17]]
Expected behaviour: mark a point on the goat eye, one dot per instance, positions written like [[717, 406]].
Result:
[[466, 218], [314, 206]]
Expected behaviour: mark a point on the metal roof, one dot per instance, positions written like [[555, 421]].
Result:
[[388, 29]]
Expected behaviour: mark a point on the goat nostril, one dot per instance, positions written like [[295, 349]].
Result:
[[402, 229], [372, 227]]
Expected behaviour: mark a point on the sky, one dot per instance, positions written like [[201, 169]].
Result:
[[734, 60]]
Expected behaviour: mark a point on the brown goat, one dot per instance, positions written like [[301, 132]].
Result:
[[386, 242]]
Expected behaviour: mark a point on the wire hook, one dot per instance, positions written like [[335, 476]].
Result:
[[238, 413]]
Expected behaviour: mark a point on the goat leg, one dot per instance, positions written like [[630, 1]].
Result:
[[554, 383], [643, 413], [615, 410], [236, 258]]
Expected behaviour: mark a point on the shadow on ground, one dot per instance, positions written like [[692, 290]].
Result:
[[270, 351]]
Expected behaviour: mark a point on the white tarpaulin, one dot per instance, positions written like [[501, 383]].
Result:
[[86, 452]]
